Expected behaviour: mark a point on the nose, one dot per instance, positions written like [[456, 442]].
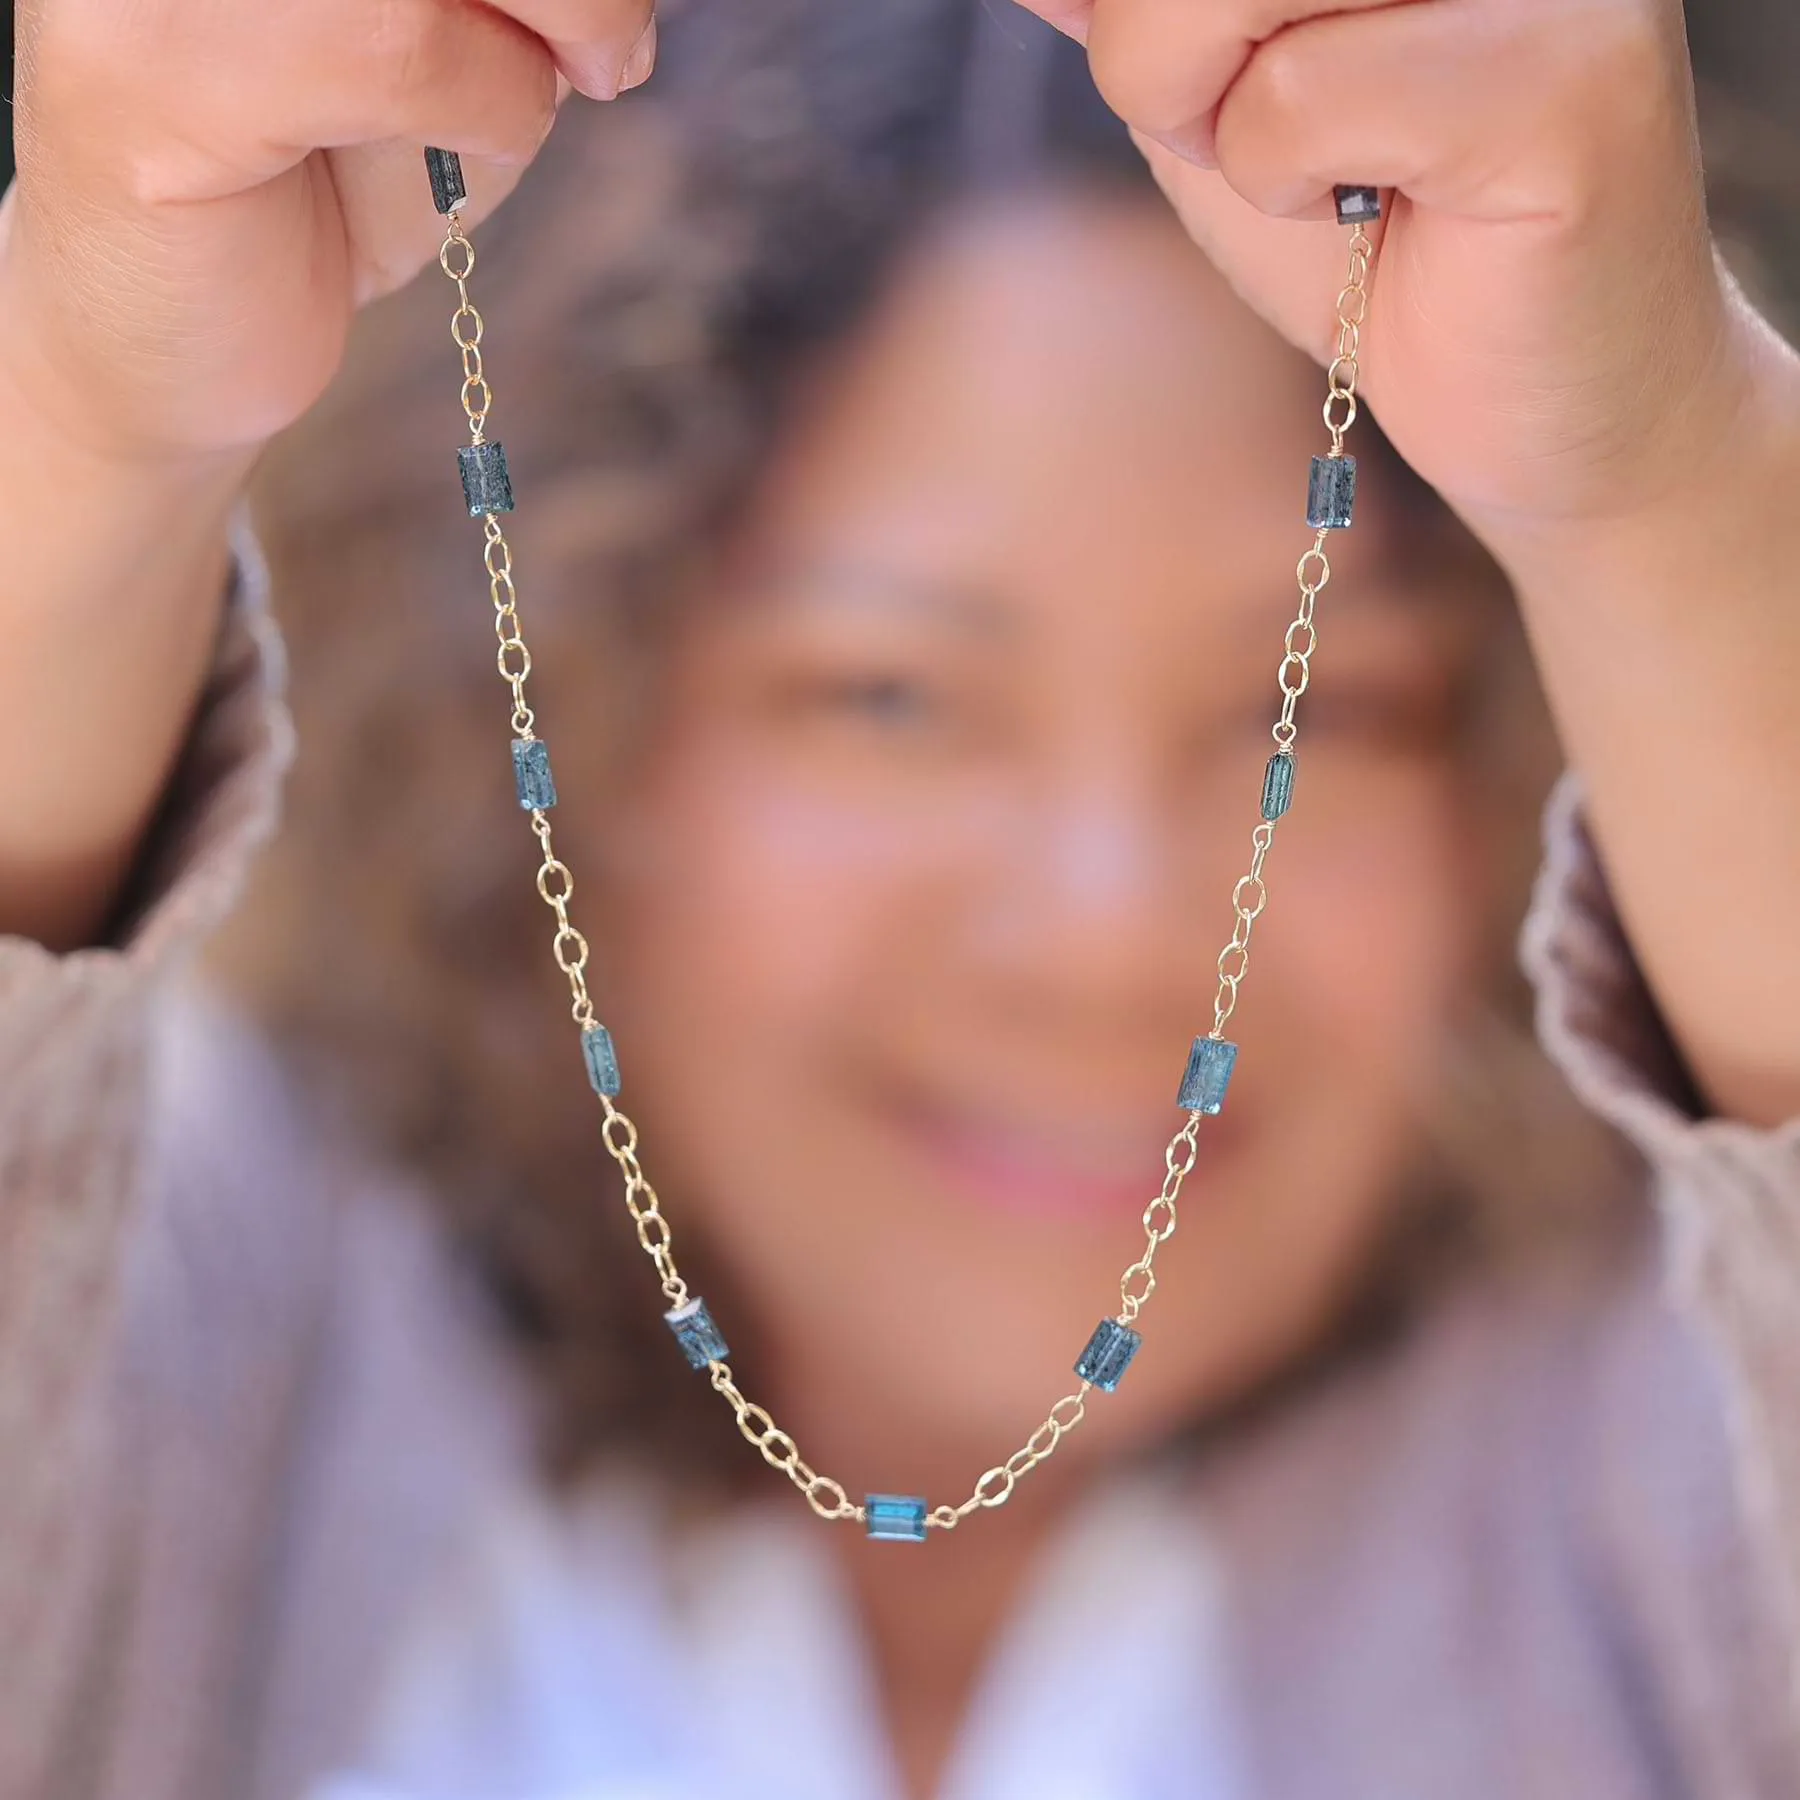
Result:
[[1089, 910]]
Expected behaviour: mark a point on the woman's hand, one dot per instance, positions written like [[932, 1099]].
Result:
[[1549, 335], [209, 188], [1552, 345]]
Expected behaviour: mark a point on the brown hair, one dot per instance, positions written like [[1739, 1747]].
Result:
[[671, 267]]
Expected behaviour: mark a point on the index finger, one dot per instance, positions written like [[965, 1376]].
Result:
[[593, 41], [1070, 17], [1164, 66]]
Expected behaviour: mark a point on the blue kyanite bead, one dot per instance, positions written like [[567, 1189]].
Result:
[[1208, 1075], [699, 1338], [1278, 785], [1357, 205], [896, 1518], [487, 483], [1108, 1355], [444, 169], [531, 771], [602, 1060], [1331, 494]]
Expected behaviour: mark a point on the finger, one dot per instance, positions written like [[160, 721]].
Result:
[[602, 46], [1471, 110], [390, 225], [1070, 17], [241, 94], [1165, 65], [1289, 268], [468, 78]]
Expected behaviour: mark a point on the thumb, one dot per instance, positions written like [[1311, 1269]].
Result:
[[1288, 269]]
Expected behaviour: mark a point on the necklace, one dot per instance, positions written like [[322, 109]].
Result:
[[488, 493]]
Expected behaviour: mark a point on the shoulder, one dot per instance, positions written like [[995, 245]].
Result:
[[1524, 1513], [316, 1394]]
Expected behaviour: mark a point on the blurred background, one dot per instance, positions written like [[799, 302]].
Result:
[[1747, 53]]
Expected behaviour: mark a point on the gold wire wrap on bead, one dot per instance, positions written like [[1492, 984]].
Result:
[[556, 885]]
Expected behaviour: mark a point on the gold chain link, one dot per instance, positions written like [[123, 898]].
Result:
[[457, 259], [556, 885], [1293, 674]]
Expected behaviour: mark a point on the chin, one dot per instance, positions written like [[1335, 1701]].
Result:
[[928, 1369]]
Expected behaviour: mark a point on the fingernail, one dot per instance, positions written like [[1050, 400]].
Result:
[[587, 70], [1194, 144], [601, 74], [640, 60]]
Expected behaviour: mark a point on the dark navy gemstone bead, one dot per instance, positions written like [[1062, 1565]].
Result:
[[696, 1333], [1331, 495], [896, 1518], [1108, 1355], [531, 774], [1278, 785], [1208, 1075], [444, 167], [487, 482], [602, 1061], [1357, 205]]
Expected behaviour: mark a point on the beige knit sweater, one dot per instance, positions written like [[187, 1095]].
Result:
[[1549, 1545]]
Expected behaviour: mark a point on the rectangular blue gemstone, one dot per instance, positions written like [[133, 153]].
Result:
[[1357, 205], [1331, 494], [1108, 1355], [487, 482], [1208, 1075], [699, 1338], [602, 1060], [896, 1518], [531, 773], [1278, 785], [444, 170]]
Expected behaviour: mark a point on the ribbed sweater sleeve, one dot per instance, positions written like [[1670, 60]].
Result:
[[1727, 1194], [76, 1035]]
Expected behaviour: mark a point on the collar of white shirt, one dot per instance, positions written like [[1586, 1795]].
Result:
[[571, 1656]]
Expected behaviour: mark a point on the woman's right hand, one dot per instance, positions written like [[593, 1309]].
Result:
[[208, 189]]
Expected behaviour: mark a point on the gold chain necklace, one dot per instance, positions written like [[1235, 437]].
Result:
[[487, 489]]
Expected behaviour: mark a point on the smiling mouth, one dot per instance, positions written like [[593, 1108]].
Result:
[[1066, 1168]]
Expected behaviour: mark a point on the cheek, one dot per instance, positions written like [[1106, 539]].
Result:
[[1374, 928], [760, 904], [767, 929], [1355, 966], [762, 927], [1370, 940]]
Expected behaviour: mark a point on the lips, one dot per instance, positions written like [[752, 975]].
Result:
[[1067, 1166]]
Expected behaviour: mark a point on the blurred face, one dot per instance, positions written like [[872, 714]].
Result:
[[916, 904]]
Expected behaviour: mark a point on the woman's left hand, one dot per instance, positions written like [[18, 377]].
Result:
[[1549, 334], [1551, 343]]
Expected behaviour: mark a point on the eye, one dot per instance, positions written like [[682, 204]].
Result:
[[1390, 714], [886, 698]]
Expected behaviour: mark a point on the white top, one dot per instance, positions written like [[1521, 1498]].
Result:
[[1546, 1544], [571, 1656]]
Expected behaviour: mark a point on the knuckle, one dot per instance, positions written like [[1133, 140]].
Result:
[[406, 39], [1115, 61], [1267, 125], [1286, 80], [1627, 62], [81, 45], [1601, 79], [148, 178], [616, 22], [523, 120]]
